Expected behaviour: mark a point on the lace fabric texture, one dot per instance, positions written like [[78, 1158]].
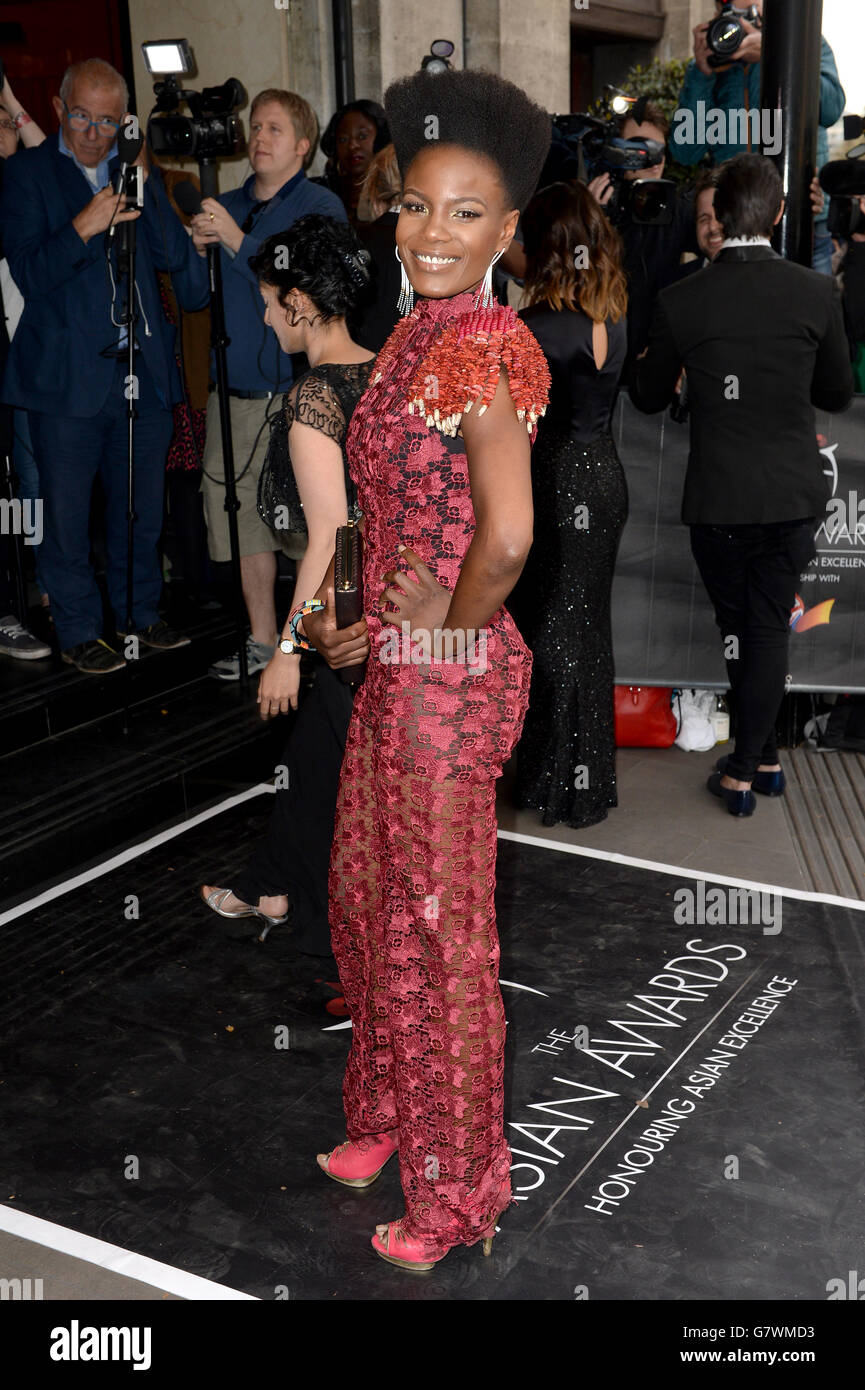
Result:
[[324, 398], [413, 863]]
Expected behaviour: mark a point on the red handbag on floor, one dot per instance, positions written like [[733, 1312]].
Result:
[[644, 716]]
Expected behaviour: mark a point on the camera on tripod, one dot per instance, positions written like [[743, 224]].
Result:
[[213, 130], [597, 147], [726, 34]]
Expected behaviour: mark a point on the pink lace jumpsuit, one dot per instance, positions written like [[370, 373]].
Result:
[[413, 865]]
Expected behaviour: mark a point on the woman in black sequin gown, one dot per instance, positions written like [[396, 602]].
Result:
[[577, 304]]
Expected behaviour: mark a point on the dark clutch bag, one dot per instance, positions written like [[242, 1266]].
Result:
[[348, 589]]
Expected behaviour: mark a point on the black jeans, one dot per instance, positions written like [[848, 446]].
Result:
[[751, 574], [294, 856]]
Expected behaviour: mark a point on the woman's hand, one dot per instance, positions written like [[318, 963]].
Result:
[[347, 646], [215, 224], [278, 685], [422, 603]]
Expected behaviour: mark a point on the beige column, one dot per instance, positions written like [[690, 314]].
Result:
[[682, 17]]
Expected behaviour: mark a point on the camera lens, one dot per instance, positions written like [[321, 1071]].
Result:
[[724, 36]]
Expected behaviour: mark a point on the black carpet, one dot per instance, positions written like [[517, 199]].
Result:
[[156, 1044]]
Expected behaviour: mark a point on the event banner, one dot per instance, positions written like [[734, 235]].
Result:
[[664, 630]]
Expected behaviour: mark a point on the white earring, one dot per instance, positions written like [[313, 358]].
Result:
[[485, 293], [405, 303]]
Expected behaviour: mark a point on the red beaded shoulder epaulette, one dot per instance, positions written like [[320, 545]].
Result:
[[464, 364]]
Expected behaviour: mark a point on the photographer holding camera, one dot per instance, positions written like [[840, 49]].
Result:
[[653, 252], [724, 74], [282, 134], [67, 362], [762, 341]]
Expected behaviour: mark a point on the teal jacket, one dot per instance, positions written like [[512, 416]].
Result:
[[726, 90]]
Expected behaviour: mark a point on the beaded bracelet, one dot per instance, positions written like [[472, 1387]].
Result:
[[312, 605], [21, 119]]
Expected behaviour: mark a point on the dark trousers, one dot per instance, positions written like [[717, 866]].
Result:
[[69, 453], [294, 856], [751, 574]]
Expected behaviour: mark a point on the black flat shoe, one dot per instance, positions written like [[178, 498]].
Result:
[[738, 803], [766, 783]]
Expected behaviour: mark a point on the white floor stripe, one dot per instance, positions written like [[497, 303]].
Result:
[[528, 988], [681, 872], [134, 852], [115, 1258]]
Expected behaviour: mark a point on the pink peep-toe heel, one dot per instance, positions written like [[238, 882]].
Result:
[[358, 1162]]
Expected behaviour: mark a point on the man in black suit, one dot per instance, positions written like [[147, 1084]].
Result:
[[762, 341]]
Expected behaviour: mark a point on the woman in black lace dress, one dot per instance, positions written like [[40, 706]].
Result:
[[577, 306], [311, 277]]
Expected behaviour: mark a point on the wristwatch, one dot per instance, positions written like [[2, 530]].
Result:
[[289, 648]]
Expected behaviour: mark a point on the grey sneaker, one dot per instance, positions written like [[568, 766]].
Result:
[[258, 654], [16, 641]]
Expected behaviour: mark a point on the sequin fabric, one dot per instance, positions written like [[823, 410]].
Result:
[[567, 755], [413, 863]]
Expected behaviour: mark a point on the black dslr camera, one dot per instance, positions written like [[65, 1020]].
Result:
[[591, 145], [726, 33]]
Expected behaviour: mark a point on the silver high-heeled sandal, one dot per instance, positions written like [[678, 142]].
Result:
[[217, 897]]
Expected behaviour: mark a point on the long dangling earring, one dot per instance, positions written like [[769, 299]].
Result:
[[405, 303], [485, 294]]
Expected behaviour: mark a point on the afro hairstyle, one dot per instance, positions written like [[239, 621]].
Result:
[[373, 113], [478, 111]]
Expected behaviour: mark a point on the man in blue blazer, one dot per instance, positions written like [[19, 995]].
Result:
[[283, 130], [67, 363]]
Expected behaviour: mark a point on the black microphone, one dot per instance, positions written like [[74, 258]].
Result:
[[130, 139], [187, 198]]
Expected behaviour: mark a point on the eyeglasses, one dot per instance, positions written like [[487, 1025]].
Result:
[[246, 227], [7, 125], [79, 120]]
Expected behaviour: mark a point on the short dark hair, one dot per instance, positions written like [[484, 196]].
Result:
[[651, 114], [748, 195], [477, 111], [707, 178], [320, 256]]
